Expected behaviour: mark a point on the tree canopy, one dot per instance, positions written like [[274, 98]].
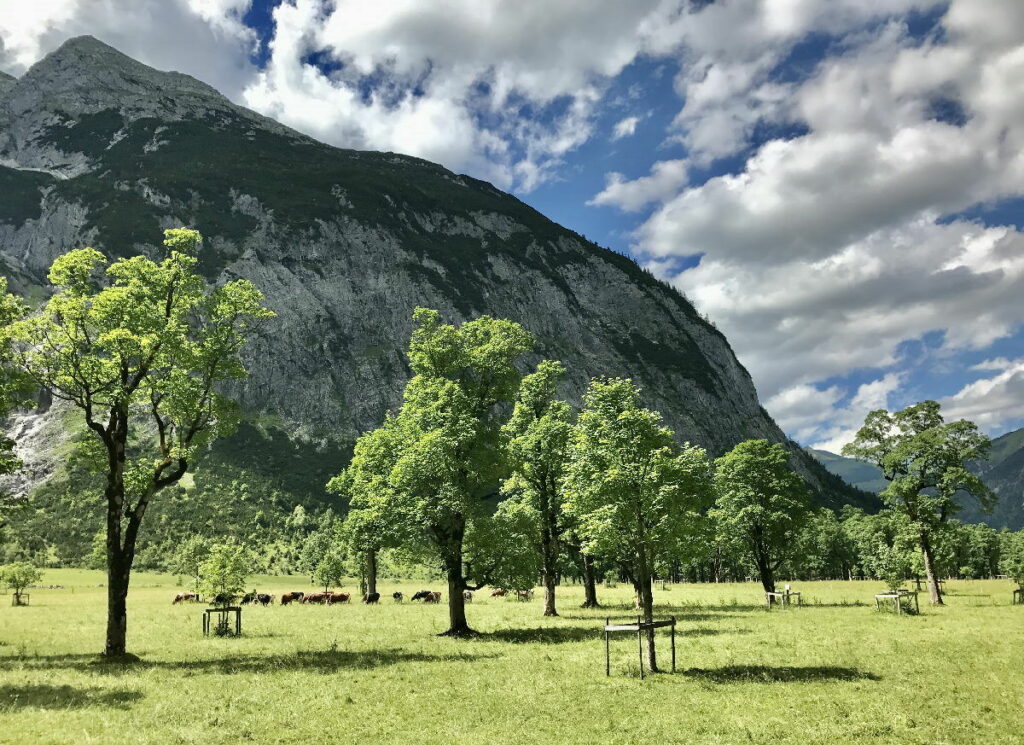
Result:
[[924, 459], [635, 495], [539, 434], [760, 503], [140, 347]]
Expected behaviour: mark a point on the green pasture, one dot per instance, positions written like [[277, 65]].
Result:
[[833, 671]]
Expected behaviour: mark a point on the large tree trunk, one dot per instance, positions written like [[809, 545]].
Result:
[[118, 575], [550, 556], [764, 568], [371, 571], [457, 624], [589, 583], [929, 569], [119, 560], [646, 597]]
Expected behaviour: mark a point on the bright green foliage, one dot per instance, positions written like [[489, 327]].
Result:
[[539, 435], [635, 495], [369, 525], [762, 502], [1012, 556], [15, 386], [447, 438], [325, 539], [330, 569], [139, 346], [923, 458], [225, 570], [823, 548], [188, 559], [892, 564], [19, 576], [502, 551]]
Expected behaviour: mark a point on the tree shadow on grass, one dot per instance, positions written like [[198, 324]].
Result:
[[568, 634], [327, 661], [782, 674], [15, 697], [543, 634]]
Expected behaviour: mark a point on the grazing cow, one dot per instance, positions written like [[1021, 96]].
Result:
[[222, 598], [524, 594], [499, 593], [420, 595], [432, 597], [290, 597], [397, 596], [186, 597], [371, 598], [249, 597], [317, 597], [467, 596], [264, 599], [338, 597]]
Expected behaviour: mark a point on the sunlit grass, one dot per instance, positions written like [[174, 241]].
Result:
[[832, 671]]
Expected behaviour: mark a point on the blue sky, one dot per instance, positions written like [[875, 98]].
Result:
[[837, 184]]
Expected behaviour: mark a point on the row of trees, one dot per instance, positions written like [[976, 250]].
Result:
[[493, 474], [483, 472]]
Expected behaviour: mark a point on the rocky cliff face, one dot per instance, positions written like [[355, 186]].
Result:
[[98, 149]]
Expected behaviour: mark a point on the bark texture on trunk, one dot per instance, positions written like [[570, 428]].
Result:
[[589, 584], [371, 571], [764, 568], [646, 596], [928, 555], [457, 624], [118, 576]]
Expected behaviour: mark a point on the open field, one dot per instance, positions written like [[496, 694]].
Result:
[[825, 673]]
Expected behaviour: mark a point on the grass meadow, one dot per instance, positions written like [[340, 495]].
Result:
[[833, 671]]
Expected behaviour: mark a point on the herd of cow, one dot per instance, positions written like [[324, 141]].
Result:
[[332, 598]]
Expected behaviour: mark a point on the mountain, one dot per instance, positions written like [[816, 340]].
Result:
[[1003, 472], [99, 149]]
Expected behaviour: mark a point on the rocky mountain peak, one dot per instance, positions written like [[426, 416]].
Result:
[[83, 78]]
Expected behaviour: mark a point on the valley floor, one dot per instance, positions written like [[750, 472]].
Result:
[[833, 671]]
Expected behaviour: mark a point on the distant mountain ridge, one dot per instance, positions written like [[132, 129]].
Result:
[[1003, 472]]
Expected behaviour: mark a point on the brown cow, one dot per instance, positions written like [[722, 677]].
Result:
[[317, 597], [338, 597], [432, 597], [185, 597], [290, 597], [499, 593]]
